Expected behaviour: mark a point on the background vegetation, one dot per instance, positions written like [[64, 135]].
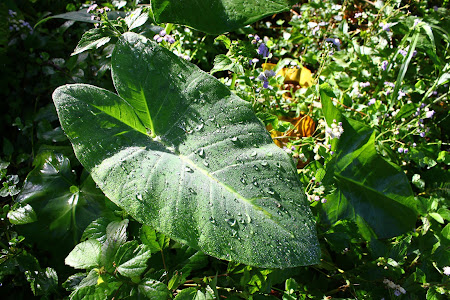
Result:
[[369, 125]]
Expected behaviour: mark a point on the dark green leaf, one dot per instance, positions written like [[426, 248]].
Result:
[[380, 200], [63, 206], [43, 283], [85, 255], [181, 153], [216, 16]]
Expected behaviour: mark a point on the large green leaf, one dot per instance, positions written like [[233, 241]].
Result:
[[63, 206], [180, 152], [216, 16], [371, 191]]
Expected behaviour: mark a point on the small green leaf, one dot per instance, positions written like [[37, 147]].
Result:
[[152, 289], [131, 259], [136, 18], [116, 235], [437, 217], [224, 39], [92, 39], [222, 63], [156, 241], [22, 215], [85, 255]]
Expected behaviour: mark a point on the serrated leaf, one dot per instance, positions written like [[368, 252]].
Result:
[[97, 229], [156, 241], [152, 289], [178, 151], [368, 188], [131, 259], [216, 16], [92, 39], [136, 18], [22, 215], [85, 255], [116, 235], [222, 63]]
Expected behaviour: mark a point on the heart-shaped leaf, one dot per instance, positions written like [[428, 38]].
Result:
[[63, 207], [216, 16], [380, 201], [180, 152]]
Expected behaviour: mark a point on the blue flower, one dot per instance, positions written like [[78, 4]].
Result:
[[384, 65], [335, 42], [263, 50]]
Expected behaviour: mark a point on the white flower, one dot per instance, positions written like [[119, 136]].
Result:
[[446, 270]]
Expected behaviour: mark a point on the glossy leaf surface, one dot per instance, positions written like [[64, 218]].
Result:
[[180, 152], [63, 206], [216, 16], [380, 200]]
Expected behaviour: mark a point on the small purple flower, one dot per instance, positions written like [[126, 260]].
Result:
[[169, 39], [386, 26], [158, 38], [364, 84], [422, 134], [162, 33], [92, 7], [263, 50], [371, 101], [414, 145], [335, 42], [397, 293], [323, 200], [11, 13], [405, 150], [400, 94], [390, 84], [416, 21], [429, 114], [402, 52], [400, 150], [384, 65]]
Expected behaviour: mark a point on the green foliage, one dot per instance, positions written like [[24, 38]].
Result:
[[216, 17], [377, 178]]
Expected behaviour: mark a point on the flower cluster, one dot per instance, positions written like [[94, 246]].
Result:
[[398, 289], [335, 130], [16, 25], [446, 271], [162, 35], [96, 12], [264, 77]]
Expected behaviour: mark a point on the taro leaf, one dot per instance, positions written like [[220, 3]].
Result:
[[216, 16], [179, 152], [372, 192], [63, 207]]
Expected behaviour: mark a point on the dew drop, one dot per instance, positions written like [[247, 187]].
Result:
[[231, 222], [270, 191], [253, 154], [201, 152], [234, 139], [255, 183], [243, 180], [139, 196], [264, 163], [206, 163], [199, 127], [212, 220], [188, 169], [256, 167]]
